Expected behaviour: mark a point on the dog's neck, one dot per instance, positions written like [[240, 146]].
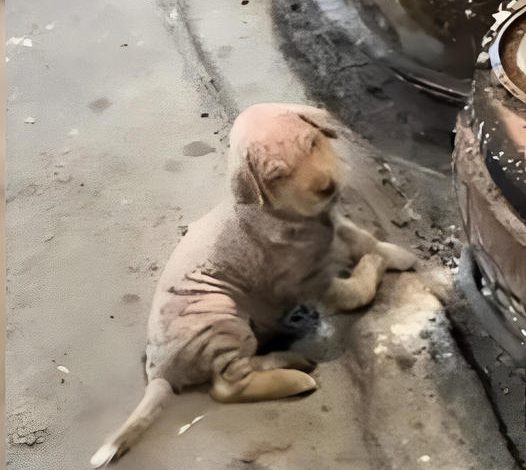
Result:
[[253, 212]]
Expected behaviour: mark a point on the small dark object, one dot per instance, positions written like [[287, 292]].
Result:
[[399, 223], [244, 2], [419, 235], [204, 115], [82, 184], [112, 317], [172, 290], [124, 45], [294, 7], [292, 326], [62, 381], [300, 321]]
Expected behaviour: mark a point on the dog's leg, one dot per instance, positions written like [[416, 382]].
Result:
[[282, 360], [360, 289], [240, 381], [361, 242]]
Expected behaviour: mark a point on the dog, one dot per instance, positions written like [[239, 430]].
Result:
[[277, 241]]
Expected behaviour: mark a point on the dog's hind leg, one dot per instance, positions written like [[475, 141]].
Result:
[[249, 379], [238, 375], [282, 360], [360, 289]]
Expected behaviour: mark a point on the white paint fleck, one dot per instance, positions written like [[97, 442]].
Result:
[[485, 291], [14, 41], [50, 26], [30, 120], [500, 17], [197, 419], [483, 57], [424, 458], [481, 126], [27, 42], [486, 40], [495, 157], [73, 132], [523, 331], [183, 429], [63, 369], [186, 427], [7, 59]]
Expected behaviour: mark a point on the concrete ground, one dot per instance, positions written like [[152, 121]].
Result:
[[117, 119]]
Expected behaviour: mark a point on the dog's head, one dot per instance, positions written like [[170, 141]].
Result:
[[283, 158]]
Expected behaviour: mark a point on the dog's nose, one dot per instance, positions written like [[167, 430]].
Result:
[[329, 189]]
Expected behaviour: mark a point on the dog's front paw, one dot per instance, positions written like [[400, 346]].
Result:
[[396, 258]]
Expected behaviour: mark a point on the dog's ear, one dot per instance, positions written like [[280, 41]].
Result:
[[320, 120], [245, 186], [256, 170]]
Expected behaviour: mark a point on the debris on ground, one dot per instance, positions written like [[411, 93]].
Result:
[[388, 178], [186, 427], [441, 243], [14, 41], [24, 436], [406, 215]]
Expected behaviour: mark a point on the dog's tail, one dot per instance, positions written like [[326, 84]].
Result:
[[157, 393]]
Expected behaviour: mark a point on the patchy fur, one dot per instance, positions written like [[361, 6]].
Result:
[[276, 242]]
